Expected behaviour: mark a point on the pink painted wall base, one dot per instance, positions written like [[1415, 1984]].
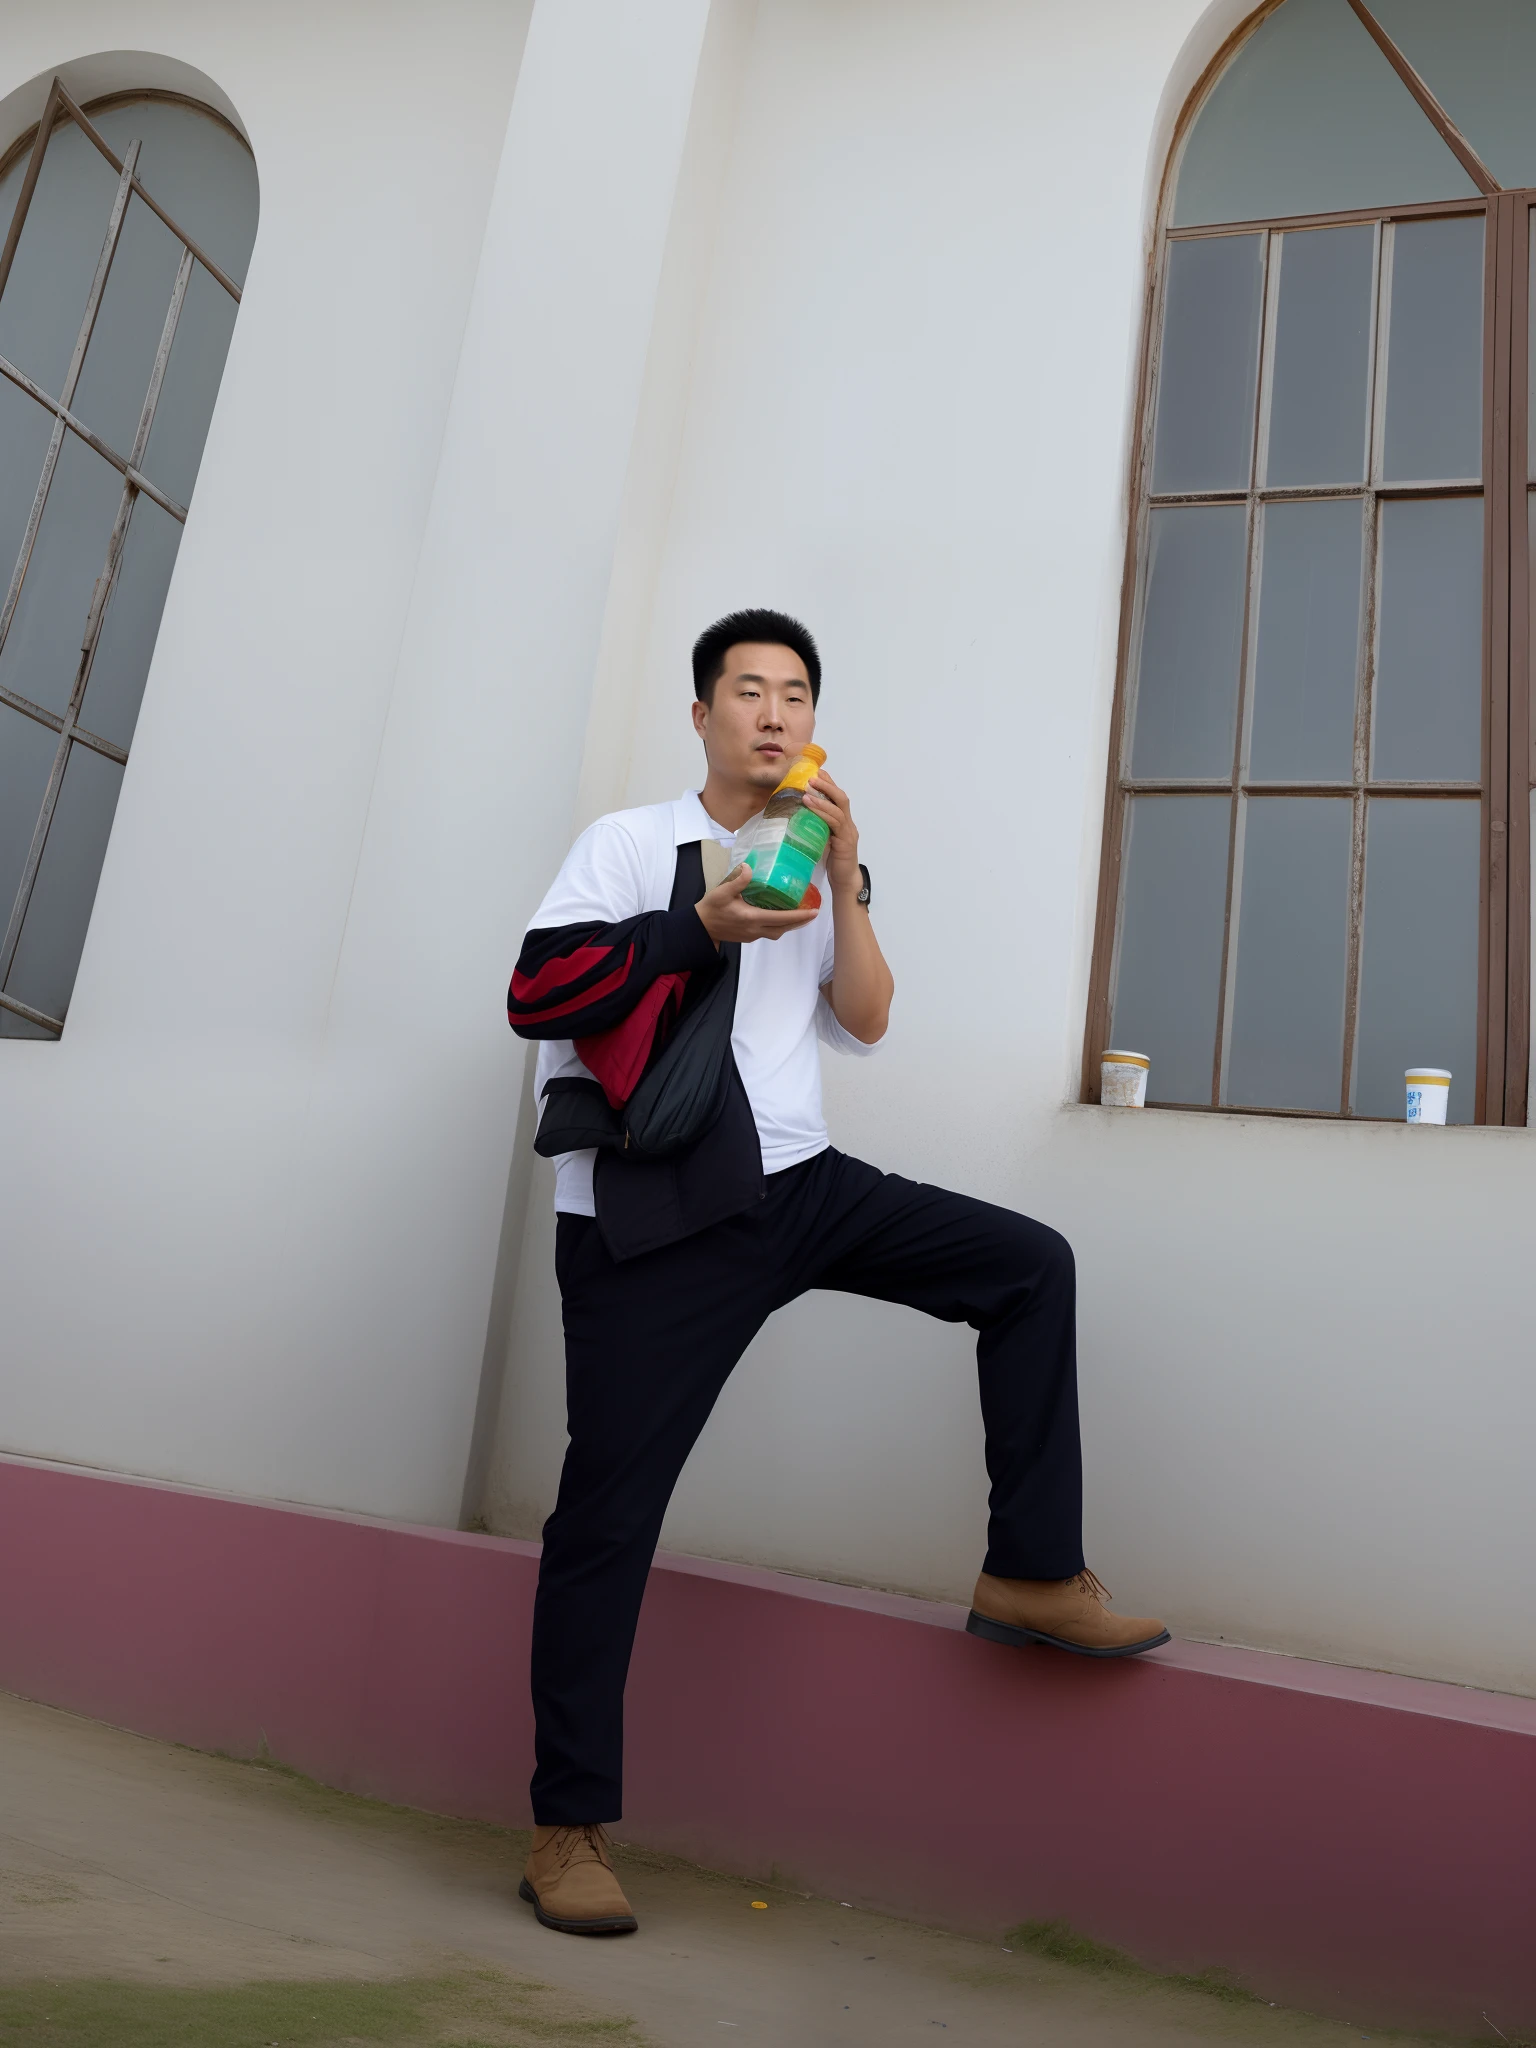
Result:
[[1359, 1843]]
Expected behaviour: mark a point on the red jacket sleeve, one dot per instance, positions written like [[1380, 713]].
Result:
[[613, 988]]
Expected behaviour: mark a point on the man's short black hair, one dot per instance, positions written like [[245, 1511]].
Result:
[[773, 629]]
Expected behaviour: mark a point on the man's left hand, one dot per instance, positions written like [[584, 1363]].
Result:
[[831, 803]]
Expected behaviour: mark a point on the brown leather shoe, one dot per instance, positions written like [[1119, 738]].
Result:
[[569, 1882], [1067, 1614]]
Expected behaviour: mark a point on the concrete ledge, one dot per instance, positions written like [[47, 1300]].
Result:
[[1358, 1842]]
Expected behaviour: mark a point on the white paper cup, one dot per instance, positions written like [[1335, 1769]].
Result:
[[1123, 1079], [1429, 1090]]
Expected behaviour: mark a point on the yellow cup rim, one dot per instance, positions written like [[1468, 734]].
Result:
[[1427, 1077], [1124, 1059]]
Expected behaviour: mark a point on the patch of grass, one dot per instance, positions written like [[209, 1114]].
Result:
[[265, 1776], [37, 1888], [1059, 1943], [470, 2009], [311, 1795]]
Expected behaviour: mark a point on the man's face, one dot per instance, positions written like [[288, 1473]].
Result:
[[759, 716]]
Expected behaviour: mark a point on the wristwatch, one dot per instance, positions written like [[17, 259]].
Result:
[[863, 895]]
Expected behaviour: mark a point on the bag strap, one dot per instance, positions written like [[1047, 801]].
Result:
[[716, 862], [701, 864], [688, 883]]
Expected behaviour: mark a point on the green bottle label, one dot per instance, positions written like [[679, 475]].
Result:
[[781, 884], [808, 834]]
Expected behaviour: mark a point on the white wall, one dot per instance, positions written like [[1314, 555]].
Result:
[[1306, 1375], [250, 1212], [166, 1291]]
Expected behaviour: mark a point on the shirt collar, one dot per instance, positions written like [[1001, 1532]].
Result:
[[691, 821]]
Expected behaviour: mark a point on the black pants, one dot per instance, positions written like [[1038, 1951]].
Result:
[[650, 1343]]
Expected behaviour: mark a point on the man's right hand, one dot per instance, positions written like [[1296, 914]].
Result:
[[724, 916]]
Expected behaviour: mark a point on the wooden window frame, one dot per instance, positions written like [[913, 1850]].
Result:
[[58, 109], [1509, 729]]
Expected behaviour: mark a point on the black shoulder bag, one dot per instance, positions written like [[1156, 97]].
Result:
[[682, 1153]]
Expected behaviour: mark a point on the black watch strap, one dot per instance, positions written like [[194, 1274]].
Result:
[[863, 896]]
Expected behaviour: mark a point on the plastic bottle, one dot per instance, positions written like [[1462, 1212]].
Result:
[[784, 842]]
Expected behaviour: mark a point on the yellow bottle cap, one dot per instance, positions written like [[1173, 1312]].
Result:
[[807, 764]]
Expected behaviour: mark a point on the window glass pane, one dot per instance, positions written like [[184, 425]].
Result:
[[26, 761], [53, 935], [1429, 654], [1209, 364], [1478, 58], [24, 431], [1530, 432], [1434, 428], [132, 620], [1287, 1045], [41, 657], [1310, 118], [1418, 967], [1168, 983], [1317, 426], [1191, 641], [1308, 642], [110, 394], [202, 175], [191, 385], [56, 257]]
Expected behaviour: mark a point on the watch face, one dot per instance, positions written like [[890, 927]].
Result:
[[863, 896]]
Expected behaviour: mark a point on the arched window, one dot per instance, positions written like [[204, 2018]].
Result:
[[130, 225], [1317, 849]]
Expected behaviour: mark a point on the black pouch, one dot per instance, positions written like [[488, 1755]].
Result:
[[643, 1204], [576, 1116], [680, 1096]]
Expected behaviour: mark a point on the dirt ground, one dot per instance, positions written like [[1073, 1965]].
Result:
[[151, 1896]]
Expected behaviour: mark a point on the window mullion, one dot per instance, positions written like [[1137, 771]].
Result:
[[1518, 833], [1493, 966], [1449, 133], [76, 426], [39, 1017], [12, 937], [1229, 947], [99, 281], [106, 583], [1353, 949], [128, 166], [1365, 675], [1257, 462], [71, 378], [34, 169], [162, 357], [1365, 659]]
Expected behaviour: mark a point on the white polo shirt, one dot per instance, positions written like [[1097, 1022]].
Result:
[[624, 864]]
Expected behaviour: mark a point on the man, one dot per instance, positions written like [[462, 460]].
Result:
[[628, 939]]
